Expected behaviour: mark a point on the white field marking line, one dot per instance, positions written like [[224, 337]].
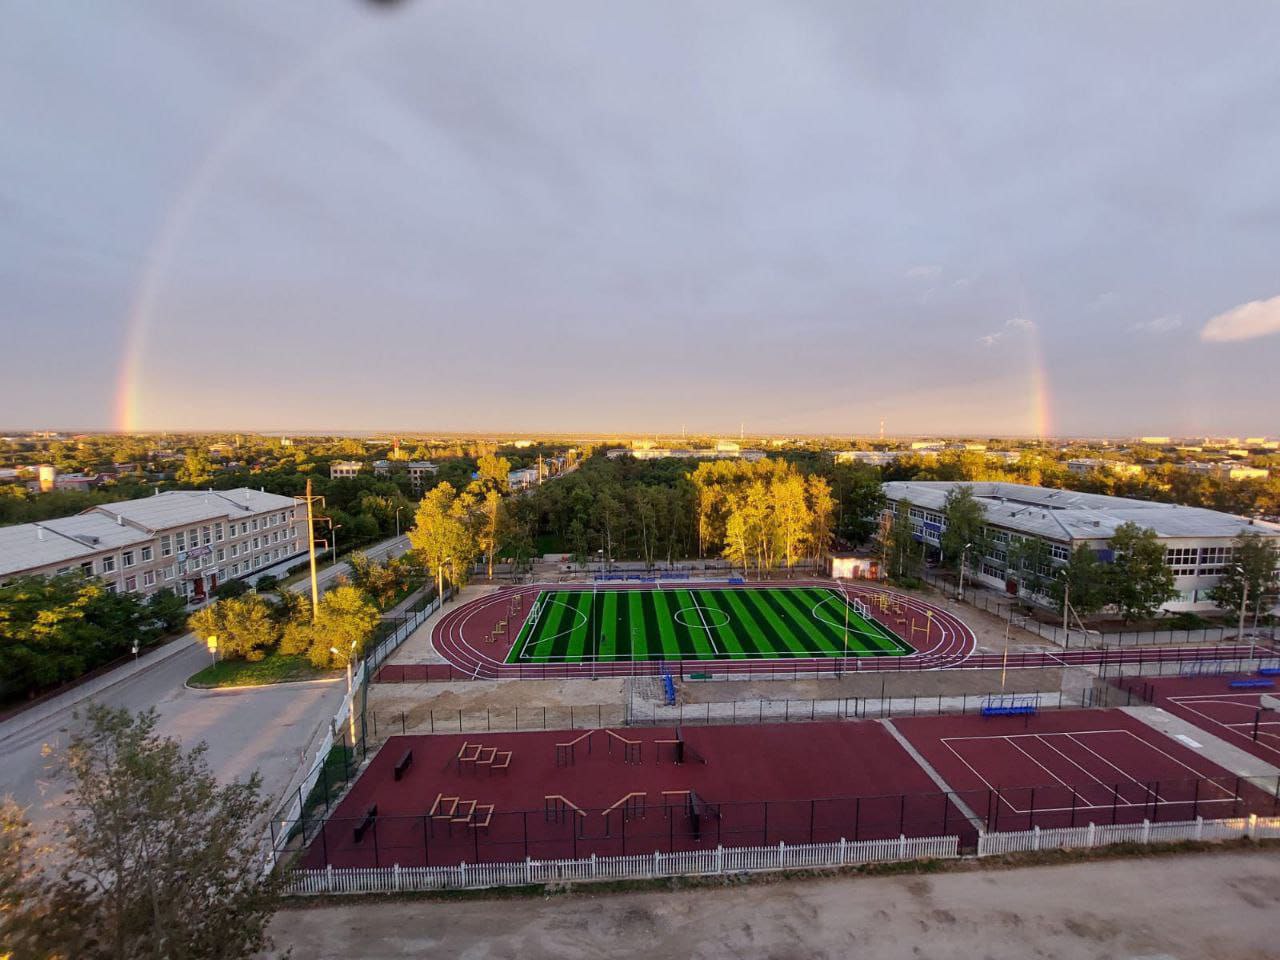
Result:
[[1230, 728], [854, 629], [532, 644], [1038, 763], [710, 639], [1043, 739], [1150, 746]]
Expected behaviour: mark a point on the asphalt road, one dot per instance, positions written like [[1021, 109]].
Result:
[[267, 729]]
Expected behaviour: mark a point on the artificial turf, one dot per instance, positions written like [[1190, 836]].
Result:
[[698, 624]]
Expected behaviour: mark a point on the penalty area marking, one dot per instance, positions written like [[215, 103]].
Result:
[[531, 644]]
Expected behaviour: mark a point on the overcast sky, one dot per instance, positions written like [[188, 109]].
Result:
[[606, 216]]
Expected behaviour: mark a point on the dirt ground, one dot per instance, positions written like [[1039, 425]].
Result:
[[1188, 906], [930, 683]]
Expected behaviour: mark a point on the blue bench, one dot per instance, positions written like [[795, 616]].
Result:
[[1022, 710], [1269, 672], [669, 688], [1252, 684]]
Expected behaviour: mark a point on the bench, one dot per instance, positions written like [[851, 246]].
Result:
[[1020, 710], [1251, 684], [370, 817], [669, 689], [1269, 672], [402, 765]]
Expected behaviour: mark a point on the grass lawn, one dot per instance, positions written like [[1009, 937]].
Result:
[[273, 668], [699, 624]]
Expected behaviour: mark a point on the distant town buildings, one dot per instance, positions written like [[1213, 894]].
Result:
[[1226, 470], [1082, 466], [187, 540], [345, 469], [724, 450]]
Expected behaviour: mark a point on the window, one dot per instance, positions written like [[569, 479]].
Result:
[[62, 570], [146, 554], [217, 532], [127, 558], [149, 578], [180, 541], [168, 573], [235, 549], [1059, 552], [206, 535], [130, 584], [221, 554], [108, 564], [166, 546], [255, 523], [1182, 560], [111, 588], [257, 542]]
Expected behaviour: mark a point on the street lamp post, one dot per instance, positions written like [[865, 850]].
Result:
[[351, 700], [398, 509], [963, 553]]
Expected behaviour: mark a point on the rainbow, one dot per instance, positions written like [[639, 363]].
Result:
[[128, 416], [1041, 419]]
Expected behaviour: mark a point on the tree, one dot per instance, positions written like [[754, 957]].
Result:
[[964, 519], [899, 542], [490, 526], [345, 621], [1252, 571], [167, 609], [859, 501], [246, 627], [442, 534], [24, 908], [1082, 581], [197, 469], [493, 471], [1139, 580], [160, 860], [1028, 561], [229, 589]]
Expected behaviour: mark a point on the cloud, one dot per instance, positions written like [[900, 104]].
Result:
[[1012, 324], [1257, 318], [923, 272], [1158, 325]]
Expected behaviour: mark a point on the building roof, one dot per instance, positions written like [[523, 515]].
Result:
[[1067, 515], [29, 546]]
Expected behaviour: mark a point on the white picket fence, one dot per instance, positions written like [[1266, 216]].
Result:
[[1071, 838], [688, 863], [724, 860]]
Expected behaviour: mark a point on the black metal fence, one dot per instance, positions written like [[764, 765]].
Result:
[[644, 823]]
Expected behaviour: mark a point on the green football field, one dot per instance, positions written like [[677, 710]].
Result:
[[698, 624]]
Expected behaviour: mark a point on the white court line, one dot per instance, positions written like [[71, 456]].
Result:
[[1230, 728]]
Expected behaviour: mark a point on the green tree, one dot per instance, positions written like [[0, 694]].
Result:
[[1250, 578], [1083, 581], [964, 525], [1028, 564], [160, 861], [345, 621], [859, 501], [1139, 581], [900, 554], [167, 609], [442, 534], [197, 469], [246, 627]]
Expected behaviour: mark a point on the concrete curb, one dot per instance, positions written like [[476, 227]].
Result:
[[258, 686]]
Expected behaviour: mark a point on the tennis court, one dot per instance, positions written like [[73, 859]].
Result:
[[700, 623]]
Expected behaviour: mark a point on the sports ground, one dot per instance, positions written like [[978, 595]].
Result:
[[700, 623]]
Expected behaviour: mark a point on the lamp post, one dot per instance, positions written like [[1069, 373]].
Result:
[[398, 509], [351, 700], [963, 554]]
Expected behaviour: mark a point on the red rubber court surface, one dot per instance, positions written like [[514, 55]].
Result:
[[1070, 768], [621, 792], [1235, 716]]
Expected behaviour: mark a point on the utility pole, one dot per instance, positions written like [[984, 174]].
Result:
[[311, 549]]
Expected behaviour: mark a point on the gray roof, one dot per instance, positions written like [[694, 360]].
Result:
[[29, 546], [1067, 515]]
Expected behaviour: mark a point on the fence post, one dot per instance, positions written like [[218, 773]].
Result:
[[782, 853], [1092, 834], [656, 863], [902, 846], [462, 873], [1199, 828], [594, 865], [844, 846], [720, 859], [1035, 837], [328, 877], [1253, 826], [395, 873], [1146, 831], [528, 870]]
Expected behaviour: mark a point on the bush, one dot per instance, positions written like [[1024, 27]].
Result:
[[1187, 621], [230, 589], [266, 583]]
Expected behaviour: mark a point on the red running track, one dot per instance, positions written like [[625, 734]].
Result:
[[758, 784], [1071, 768], [464, 638]]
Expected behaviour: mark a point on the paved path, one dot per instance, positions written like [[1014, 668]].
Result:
[[264, 728], [1185, 907]]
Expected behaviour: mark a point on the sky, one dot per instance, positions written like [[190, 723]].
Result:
[[800, 217]]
